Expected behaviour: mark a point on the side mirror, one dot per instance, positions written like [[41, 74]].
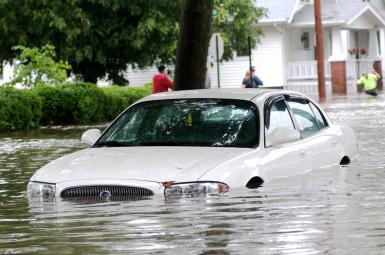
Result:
[[91, 136], [281, 135]]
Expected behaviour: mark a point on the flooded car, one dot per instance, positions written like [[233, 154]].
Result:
[[199, 142]]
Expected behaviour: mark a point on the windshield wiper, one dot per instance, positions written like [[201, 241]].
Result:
[[165, 143], [141, 143], [113, 144]]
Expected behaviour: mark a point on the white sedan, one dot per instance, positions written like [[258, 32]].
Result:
[[199, 141]]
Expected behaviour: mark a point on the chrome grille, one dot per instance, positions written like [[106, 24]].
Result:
[[99, 191]]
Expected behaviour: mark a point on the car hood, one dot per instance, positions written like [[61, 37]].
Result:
[[156, 164]]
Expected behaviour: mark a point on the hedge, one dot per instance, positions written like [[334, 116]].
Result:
[[119, 98], [64, 104], [19, 109]]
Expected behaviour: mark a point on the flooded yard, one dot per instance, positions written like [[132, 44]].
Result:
[[334, 211]]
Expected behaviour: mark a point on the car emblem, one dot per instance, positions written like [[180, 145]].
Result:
[[105, 194]]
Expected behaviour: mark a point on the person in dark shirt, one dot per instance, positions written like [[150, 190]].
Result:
[[161, 82], [247, 81], [256, 79]]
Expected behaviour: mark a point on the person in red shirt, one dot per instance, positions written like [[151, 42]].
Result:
[[160, 81]]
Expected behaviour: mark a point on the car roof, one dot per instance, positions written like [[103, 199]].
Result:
[[239, 93]]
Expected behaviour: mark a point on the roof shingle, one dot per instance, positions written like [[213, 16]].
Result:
[[276, 9], [341, 10]]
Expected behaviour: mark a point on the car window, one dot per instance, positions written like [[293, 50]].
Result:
[[321, 120], [307, 122], [279, 116], [193, 122]]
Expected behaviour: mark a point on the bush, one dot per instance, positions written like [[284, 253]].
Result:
[[119, 98], [19, 109], [80, 103], [57, 105], [90, 105], [85, 103], [64, 104]]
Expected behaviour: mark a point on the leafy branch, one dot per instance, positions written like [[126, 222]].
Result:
[[35, 66]]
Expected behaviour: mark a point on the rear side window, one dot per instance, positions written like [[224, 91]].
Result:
[[321, 121], [306, 120], [279, 116]]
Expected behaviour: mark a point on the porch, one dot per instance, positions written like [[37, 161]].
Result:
[[354, 43], [303, 70], [302, 75]]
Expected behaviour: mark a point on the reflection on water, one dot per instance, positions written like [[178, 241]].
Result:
[[330, 211]]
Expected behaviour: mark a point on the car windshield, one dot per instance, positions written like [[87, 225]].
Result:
[[193, 122]]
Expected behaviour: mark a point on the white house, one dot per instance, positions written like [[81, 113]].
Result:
[[354, 41]]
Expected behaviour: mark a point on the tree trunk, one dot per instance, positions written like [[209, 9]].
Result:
[[194, 38], [90, 71]]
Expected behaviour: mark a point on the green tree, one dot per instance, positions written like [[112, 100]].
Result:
[[35, 66], [236, 21], [97, 37], [101, 37]]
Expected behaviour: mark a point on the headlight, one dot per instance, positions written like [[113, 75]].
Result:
[[192, 188], [41, 189]]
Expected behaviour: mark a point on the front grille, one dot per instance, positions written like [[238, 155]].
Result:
[[105, 191]]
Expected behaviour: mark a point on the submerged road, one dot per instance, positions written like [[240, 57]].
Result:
[[335, 211]]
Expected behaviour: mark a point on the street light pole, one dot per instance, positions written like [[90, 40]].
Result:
[[319, 50], [250, 66], [217, 54]]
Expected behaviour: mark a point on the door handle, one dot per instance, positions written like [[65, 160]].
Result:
[[302, 153], [334, 143]]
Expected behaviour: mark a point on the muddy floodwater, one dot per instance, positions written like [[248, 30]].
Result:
[[335, 211]]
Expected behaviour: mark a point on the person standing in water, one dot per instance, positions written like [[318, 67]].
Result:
[[369, 81]]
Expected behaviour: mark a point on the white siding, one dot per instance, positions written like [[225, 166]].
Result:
[[296, 51], [378, 5], [327, 35], [362, 23], [231, 73], [138, 77], [7, 74], [268, 58], [287, 46]]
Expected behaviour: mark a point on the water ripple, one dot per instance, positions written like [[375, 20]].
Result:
[[333, 211]]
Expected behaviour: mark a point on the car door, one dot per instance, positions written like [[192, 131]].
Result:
[[283, 159], [322, 142]]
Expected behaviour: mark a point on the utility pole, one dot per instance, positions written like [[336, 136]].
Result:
[[319, 50]]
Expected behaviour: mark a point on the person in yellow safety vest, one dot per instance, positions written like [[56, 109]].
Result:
[[369, 81]]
